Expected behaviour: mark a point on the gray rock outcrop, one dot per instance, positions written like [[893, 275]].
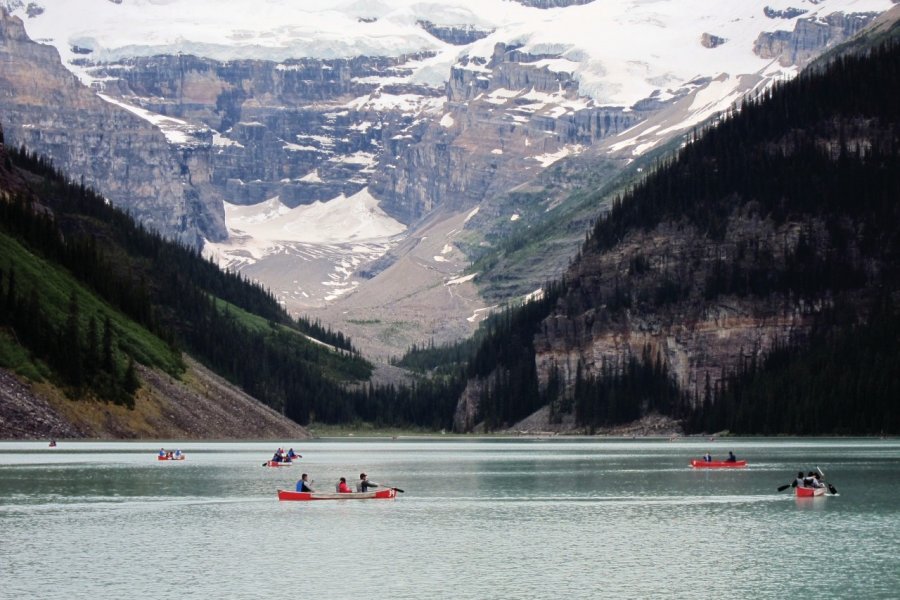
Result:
[[545, 4], [46, 108], [810, 37]]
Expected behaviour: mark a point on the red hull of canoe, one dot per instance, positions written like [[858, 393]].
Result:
[[805, 492], [384, 494], [272, 463], [170, 457], [718, 464]]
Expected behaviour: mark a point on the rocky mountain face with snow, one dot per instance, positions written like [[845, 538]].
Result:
[[48, 110], [393, 115]]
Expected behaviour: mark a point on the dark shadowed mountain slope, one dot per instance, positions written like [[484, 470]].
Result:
[[768, 247]]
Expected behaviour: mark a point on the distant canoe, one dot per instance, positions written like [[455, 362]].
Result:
[[382, 494], [170, 457], [273, 463], [718, 464], [808, 492]]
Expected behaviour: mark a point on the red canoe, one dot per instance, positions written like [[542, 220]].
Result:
[[808, 492], [272, 463], [382, 494], [170, 457], [718, 464]]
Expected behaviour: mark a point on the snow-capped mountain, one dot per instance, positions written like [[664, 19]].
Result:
[[404, 113]]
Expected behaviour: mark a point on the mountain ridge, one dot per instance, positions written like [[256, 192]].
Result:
[[427, 127]]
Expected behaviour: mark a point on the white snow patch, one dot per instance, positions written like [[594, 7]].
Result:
[[515, 217], [312, 177], [221, 140], [479, 313], [535, 295], [462, 279], [176, 131], [551, 157], [447, 121], [343, 219]]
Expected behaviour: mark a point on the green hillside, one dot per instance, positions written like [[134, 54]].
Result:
[[86, 292]]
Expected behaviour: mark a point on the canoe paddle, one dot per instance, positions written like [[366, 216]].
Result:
[[781, 488], [831, 488]]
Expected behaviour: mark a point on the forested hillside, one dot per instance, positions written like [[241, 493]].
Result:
[[85, 293], [749, 284]]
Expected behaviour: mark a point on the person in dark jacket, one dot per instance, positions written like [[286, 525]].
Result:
[[303, 485], [364, 484]]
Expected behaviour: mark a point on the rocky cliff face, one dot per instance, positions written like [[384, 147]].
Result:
[[504, 120], [809, 37], [48, 110], [458, 35], [304, 130], [544, 4], [696, 339]]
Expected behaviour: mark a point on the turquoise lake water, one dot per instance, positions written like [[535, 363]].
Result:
[[480, 518]]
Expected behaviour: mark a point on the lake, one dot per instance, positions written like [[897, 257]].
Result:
[[480, 518]]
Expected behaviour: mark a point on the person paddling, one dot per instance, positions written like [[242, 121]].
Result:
[[731, 457], [799, 482], [364, 484], [303, 485], [342, 487]]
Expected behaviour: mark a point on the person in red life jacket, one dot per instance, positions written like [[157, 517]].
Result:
[[342, 486]]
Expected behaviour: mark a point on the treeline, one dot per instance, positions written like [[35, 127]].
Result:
[[109, 237], [843, 380], [622, 393], [499, 357], [777, 153], [84, 358]]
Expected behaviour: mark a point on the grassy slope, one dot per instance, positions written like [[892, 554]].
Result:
[[54, 286], [332, 361]]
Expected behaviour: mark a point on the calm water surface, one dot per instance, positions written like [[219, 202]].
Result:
[[479, 519]]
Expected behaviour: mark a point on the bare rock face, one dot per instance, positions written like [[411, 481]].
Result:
[[708, 40], [464, 419], [788, 13], [129, 161], [697, 340], [544, 4], [502, 121], [304, 130], [458, 35], [810, 37]]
